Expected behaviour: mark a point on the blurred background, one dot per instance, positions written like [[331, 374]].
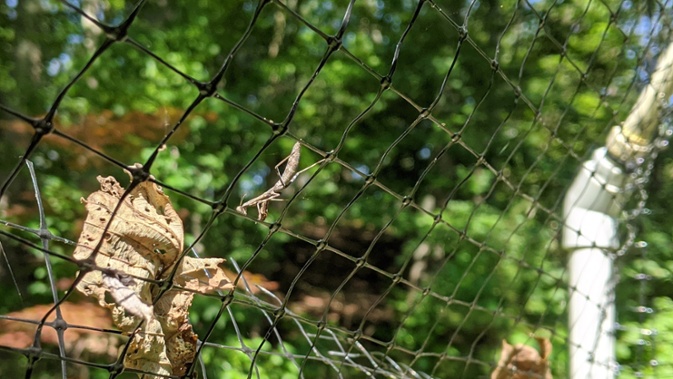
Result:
[[447, 133]]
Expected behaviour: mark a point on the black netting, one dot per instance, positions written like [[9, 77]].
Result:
[[413, 227]]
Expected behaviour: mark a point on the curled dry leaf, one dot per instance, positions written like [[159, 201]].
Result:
[[524, 362], [142, 245]]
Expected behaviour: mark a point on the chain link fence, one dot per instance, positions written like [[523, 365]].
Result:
[[281, 189]]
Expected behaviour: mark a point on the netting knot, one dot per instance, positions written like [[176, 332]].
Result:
[[219, 207], [117, 34], [45, 234], [33, 353], [370, 180], [227, 299], [59, 324], [329, 156], [333, 43], [207, 89], [88, 264], [43, 126], [386, 82], [138, 173], [279, 313], [278, 128], [116, 369], [462, 32], [163, 286], [273, 228]]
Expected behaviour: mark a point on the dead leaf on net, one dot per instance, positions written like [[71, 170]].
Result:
[[144, 241], [524, 362], [202, 275]]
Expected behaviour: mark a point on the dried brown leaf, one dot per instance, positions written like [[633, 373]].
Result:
[[144, 237], [203, 275], [524, 362], [142, 244], [252, 280], [78, 338]]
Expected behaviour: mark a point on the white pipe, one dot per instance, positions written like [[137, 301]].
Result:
[[591, 206]]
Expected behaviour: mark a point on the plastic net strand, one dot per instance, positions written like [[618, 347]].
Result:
[[309, 189]]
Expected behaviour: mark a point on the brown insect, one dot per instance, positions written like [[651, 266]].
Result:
[[284, 180]]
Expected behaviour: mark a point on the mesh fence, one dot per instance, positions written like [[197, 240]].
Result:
[[384, 179]]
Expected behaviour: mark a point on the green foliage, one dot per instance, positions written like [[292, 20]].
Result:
[[470, 196], [234, 364]]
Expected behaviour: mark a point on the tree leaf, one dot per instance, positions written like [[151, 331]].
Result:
[[141, 246]]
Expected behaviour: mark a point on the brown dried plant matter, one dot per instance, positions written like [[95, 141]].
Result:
[[524, 362], [81, 338], [142, 246]]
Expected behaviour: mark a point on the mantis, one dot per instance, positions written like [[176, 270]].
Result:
[[284, 180]]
